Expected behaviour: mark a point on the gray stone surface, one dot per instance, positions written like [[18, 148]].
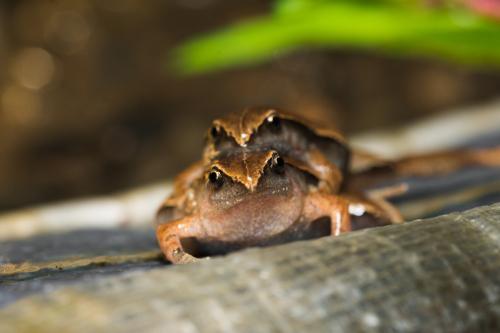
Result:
[[441, 274]]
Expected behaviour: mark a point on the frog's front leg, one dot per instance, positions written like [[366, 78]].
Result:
[[320, 204], [340, 208], [169, 237], [329, 175]]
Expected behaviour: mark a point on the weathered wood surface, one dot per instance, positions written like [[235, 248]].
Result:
[[441, 274], [47, 262]]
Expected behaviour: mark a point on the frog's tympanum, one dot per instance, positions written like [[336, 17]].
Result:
[[268, 177]]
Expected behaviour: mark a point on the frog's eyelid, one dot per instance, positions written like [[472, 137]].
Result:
[[213, 170]]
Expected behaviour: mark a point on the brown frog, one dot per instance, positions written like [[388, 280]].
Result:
[[249, 198]]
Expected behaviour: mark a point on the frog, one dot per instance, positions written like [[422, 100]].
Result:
[[319, 150], [251, 198]]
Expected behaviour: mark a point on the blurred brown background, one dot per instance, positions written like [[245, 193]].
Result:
[[89, 106]]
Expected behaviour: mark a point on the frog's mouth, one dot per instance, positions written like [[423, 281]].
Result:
[[257, 216], [217, 246]]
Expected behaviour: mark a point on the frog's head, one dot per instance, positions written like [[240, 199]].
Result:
[[251, 195], [269, 128], [246, 173]]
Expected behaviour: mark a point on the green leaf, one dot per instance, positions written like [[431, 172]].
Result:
[[297, 24]]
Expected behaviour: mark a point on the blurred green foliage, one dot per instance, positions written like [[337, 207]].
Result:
[[393, 26]]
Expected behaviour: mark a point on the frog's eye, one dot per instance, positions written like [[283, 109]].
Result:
[[215, 178], [278, 164], [274, 122], [214, 132]]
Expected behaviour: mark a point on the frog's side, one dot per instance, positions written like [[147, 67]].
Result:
[[319, 151], [250, 199]]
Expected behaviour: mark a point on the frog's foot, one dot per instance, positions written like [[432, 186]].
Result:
[[321, 204], [181, 257], [329, 175], [169, 237], [380, 208], [345, 211], [383, 208]]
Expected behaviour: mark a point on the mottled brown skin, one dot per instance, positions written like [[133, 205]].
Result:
[[226, 211], [319, 151]]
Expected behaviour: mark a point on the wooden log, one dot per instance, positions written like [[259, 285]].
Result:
[[440, 274]]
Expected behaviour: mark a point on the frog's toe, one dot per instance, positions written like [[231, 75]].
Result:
[[181, 257]]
